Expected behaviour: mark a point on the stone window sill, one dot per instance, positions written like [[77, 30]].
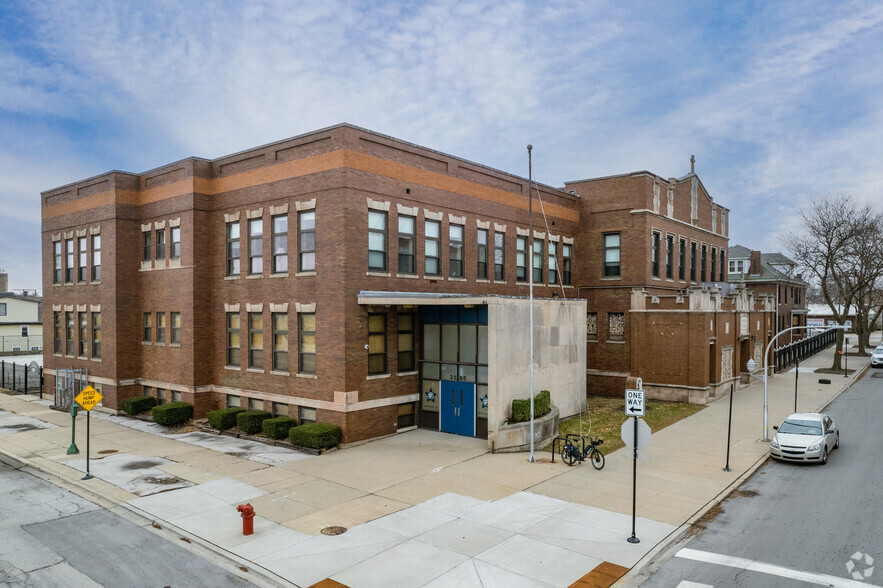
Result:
[[307, 376], [378, 377]]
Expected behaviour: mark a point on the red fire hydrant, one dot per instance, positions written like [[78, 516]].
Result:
[[247, 511]]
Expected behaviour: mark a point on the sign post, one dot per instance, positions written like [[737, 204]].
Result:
[[88, 398], [635, 433], [730, 428]]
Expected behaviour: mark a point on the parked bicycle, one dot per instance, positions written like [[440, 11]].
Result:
[[576, 448]]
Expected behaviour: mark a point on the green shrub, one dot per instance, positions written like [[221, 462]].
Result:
[[521, 408], [315, 435], [249, 422], [173, 413], [279, 427], [225, 418], [137, 405]]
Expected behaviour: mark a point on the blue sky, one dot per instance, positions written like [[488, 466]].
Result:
[[779, 101]]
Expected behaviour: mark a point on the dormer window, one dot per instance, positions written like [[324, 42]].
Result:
[[738, 266]]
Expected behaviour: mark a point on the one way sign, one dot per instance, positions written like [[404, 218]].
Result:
[[634, 402]]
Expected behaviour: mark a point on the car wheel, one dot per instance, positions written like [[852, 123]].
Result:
[[824, 456], [837, 441]]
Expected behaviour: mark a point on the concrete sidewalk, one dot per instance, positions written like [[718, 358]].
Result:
[[421, 508]]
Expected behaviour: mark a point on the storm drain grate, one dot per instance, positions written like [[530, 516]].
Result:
[[333, 530]]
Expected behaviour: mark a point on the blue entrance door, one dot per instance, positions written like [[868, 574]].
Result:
[[458, 408]]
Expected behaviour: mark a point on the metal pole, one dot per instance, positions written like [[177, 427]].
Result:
[[796, 375], [88, 476], [633, 538], [845, 356], [529, 262], [729, 429]]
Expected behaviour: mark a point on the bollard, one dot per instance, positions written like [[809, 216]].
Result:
[[247, 511]]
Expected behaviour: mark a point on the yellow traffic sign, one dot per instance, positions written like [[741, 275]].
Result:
[[88, 398]]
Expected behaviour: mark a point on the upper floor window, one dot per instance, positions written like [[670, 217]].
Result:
[[160, 244], [737, 266], [82, 260], [25, 331], [69, 333], [146, 252], [721, 266], [377, 240], [703, 263], [432, 236], [406, 343], [693, 261], [566, 263], [377, 343], [654, 254], [481, 254], [713, 263], [255, 340], [280, 243], [615, 326], [280, 341], [307, 342], [521, 259], [147, 328], [233, 248], [682, 259], [538, 245], [455, 233], [255, 246], [233, 343], [96, 335], [83, 334], [669, 256], [553, 262], [96, 258], [611, 255], [175, 253], [176, 328], [56, 264], [499, 256], [161, 328], [2, 309], [69, 261], [407, 245], [56, 331], [306, 226]]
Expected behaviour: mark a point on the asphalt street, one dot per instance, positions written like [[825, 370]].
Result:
[[793, 525], [50, 537]]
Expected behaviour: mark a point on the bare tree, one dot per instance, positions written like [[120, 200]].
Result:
[[835, 247]]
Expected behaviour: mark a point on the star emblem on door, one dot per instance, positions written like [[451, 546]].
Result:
[[484, 401]]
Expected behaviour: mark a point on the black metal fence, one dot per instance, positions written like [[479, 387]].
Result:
[[22, 378], [787, 355]]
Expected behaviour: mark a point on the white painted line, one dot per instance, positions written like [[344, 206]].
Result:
[[686, 584], [765, 568]]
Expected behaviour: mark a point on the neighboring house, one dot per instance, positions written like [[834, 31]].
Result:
[[348, 277], [773, 274], [21, 328], [819, 315]]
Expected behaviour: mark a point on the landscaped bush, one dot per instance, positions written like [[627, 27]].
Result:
[[173, 413], [521, 408], [225, 418], [137, 405], [249, 422], [315, 435], [278, 427]]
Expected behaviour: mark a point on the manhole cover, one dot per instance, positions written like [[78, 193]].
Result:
[[333, 530], [106, 451]]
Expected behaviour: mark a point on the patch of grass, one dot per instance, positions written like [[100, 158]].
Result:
[[605, 415]]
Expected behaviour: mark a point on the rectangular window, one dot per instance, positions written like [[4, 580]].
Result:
[[279, 409], [146, 254], [234, 401], [538, 245], [233, 343], [592, 326], [305, 415], [669, 256], [455, 234], [161, 328], [255, 246], [176, 328], [69, 333], [96, 335], [566, 263], [233, 249], [56, 264], [407, 415], [69, 261], [406, 343], [280, 341], [407, 245], [615, 326], [521, 259], [432, 236], [24, 331], [553, 262], [481, 254], [255, 404], [307, 340], [56, 330], [377, 344], [96, 258], [2, 309], [82, 260], [306, 226], [693, 261], [713, 263], [160, 244], [734, 268], [255, 340], [499, 256], [703, 263], [147, 329], [682, 259], [83, 334], [654, 254], [721, 266], [175, 253], [377, 241], [176, 395], [279, 226], [611, 255]]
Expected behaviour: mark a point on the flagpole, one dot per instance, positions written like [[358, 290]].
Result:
[[529, 262]]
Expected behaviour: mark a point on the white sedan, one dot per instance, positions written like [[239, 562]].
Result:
[[805, 437], [877, 356]]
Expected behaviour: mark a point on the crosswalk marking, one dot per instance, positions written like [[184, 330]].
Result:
[[771, 569], [686, 584]]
